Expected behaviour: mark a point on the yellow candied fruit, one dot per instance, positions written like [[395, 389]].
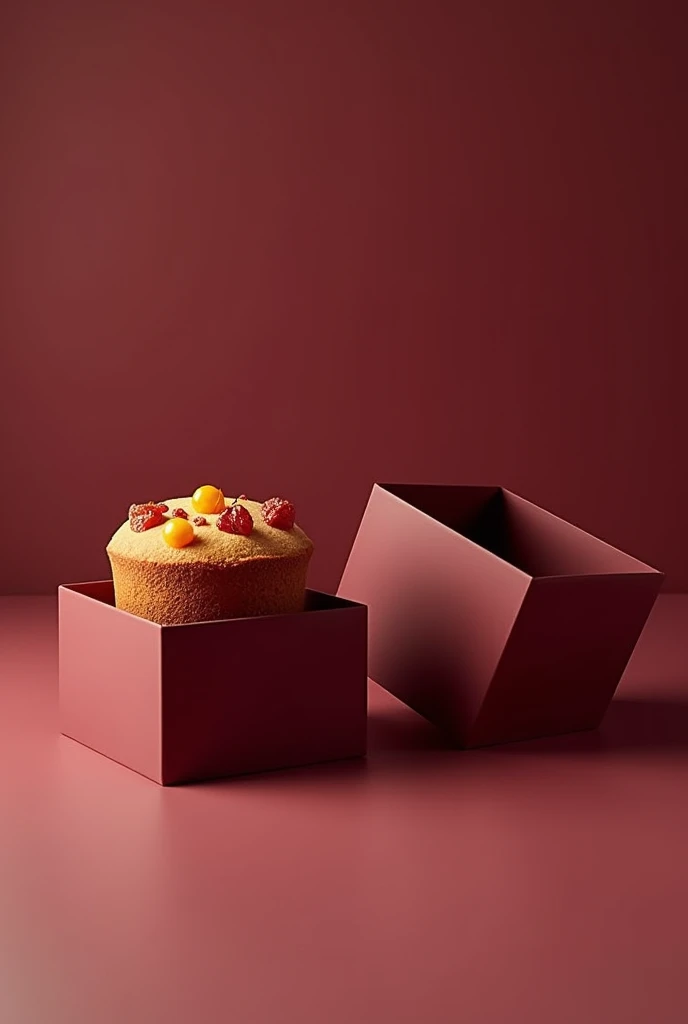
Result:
[[208, 499], [178, 532]]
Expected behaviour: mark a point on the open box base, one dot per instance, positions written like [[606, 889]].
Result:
[[212, 699]]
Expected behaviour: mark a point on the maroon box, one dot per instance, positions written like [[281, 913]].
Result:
[[491, 617], [210, 699]]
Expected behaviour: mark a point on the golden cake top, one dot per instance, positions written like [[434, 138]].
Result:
[[153, 533]]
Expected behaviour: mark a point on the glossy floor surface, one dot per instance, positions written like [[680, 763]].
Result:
[[544, 882]]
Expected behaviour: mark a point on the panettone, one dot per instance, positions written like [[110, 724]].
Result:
[[216, 574]]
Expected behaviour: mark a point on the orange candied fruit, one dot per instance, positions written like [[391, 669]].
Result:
[[208, 499], [178, 532]]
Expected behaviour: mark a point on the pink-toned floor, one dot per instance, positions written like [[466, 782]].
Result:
[[541, 882]]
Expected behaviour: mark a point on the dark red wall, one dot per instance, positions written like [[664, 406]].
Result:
[[295, 247]]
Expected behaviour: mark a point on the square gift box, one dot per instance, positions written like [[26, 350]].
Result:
[[491, 617], [211, 699]]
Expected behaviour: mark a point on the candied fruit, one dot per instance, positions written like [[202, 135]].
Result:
[[145, 518], [178, 532], [208, 499], [235, 519], [279, 513]]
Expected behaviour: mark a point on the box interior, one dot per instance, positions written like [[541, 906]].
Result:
[[520, 533]]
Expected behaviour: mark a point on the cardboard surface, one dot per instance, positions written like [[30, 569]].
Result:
[[491, 617], [210, 699]]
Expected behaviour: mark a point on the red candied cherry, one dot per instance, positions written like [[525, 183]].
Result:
[[179, 513], [235, 519], [145, 517], [279, 513], [200, 520]]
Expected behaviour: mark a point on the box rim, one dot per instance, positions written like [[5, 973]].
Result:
[[645, 570]]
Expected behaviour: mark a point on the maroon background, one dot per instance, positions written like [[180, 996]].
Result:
[[298, 247]]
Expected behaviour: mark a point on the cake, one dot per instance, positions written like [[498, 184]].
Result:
[[209, 557]]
